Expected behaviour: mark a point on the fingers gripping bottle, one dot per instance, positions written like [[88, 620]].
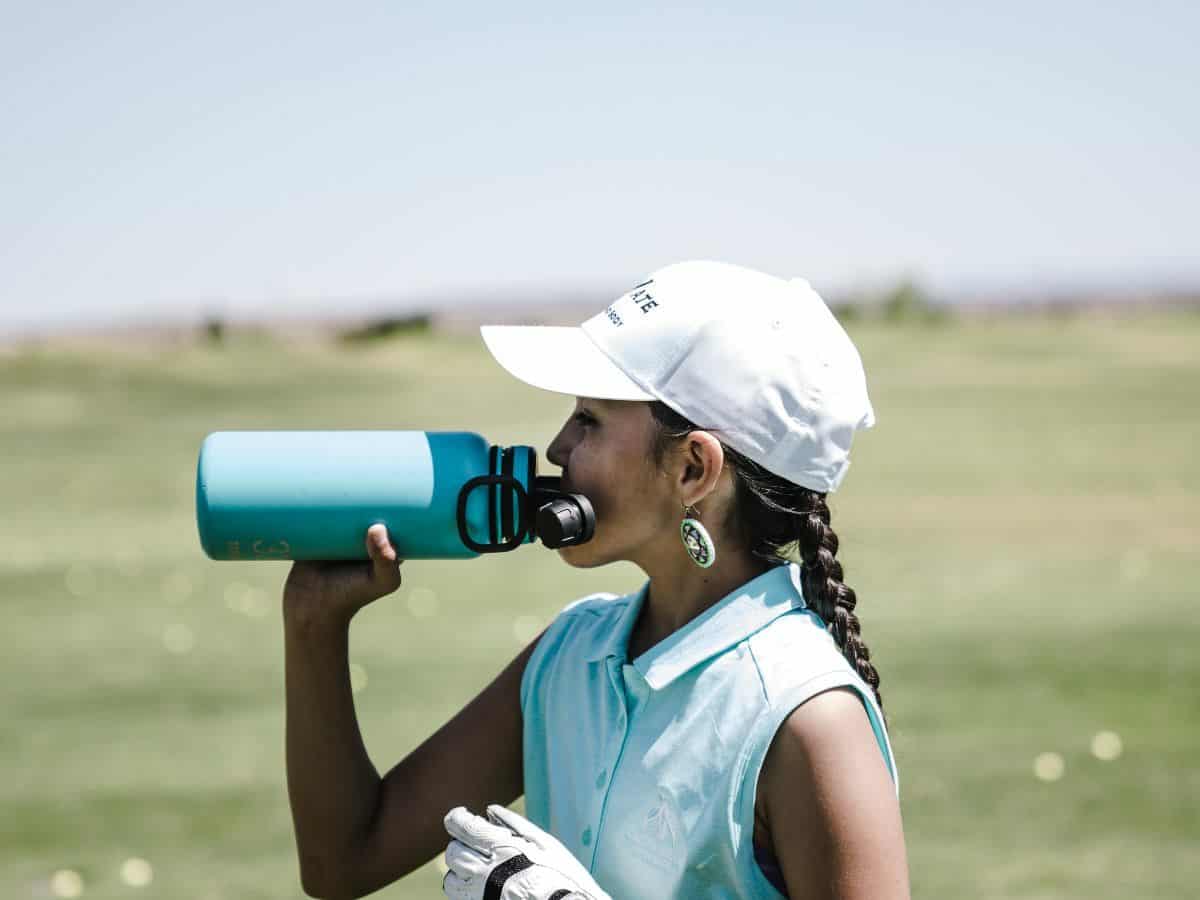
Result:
[[272, 495]]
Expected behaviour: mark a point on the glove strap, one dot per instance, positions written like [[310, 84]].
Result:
[[510, 867], [503, 872]]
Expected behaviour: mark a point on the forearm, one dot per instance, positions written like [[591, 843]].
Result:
[[333, 787]]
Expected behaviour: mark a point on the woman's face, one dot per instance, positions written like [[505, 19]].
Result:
[[604, 451]]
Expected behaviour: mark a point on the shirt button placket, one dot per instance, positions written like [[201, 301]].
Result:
[[612, 753]]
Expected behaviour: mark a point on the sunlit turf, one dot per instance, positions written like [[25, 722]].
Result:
[[1022, 529]]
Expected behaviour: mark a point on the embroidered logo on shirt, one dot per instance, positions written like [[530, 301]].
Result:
[[655, 837], [658, 822]]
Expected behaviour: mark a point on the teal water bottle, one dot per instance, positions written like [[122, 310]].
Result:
[[272, 495]]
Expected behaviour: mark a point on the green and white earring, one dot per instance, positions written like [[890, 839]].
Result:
[[696, 541]]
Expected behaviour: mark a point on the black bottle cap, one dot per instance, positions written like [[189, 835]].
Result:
[[562, 519]]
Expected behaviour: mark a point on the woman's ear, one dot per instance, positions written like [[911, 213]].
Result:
[[702, 462]]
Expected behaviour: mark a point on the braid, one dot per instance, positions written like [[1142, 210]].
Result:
[[834, 600], [778, 519]]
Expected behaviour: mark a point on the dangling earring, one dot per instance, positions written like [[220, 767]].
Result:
[[696, 541]]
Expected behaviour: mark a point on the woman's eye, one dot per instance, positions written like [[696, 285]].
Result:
[[584, 419]]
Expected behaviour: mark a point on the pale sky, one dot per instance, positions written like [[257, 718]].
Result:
[[179, 158]]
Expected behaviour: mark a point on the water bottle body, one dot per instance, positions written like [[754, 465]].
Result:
[[313, 494]]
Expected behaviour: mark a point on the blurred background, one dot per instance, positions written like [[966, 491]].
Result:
[[220, 216]]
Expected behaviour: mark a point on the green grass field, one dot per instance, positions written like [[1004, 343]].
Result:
[[1022, 529]]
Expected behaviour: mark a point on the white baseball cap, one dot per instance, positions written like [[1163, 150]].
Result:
[[760, 361]]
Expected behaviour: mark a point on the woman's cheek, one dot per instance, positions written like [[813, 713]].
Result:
[[601, 504], [595, 550]]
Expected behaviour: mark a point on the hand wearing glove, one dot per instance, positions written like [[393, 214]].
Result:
[[507, 857]]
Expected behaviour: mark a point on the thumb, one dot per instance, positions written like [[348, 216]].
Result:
[[385, 564]]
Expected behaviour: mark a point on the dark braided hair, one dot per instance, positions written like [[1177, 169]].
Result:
[[777, 519]]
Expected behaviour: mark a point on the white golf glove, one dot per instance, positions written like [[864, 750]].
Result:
[[507, 857]]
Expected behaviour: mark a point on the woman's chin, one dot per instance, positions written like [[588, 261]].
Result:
[[580, 556]]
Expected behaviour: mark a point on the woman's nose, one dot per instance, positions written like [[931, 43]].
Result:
[[558, 452]]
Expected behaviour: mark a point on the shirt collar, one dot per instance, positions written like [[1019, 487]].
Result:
[[725, 624]]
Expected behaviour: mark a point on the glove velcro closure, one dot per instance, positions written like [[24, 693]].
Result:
[[503, 872]]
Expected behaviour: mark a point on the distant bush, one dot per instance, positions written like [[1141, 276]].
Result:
[[904, 302], [214, 330], [907, 302], [388, 327], [846, 310]]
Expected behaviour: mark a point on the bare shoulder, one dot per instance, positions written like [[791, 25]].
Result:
[[830, 805], [828, 718]]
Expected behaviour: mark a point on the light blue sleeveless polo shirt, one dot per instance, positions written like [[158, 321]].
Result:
[[647, 771]]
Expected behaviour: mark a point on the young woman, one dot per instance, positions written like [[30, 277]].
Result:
[[717, 733]]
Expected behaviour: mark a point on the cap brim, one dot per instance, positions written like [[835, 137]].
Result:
[[559, 359]]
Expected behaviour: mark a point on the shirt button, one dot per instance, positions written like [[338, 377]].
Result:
[[601, 778], [586, 837]]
